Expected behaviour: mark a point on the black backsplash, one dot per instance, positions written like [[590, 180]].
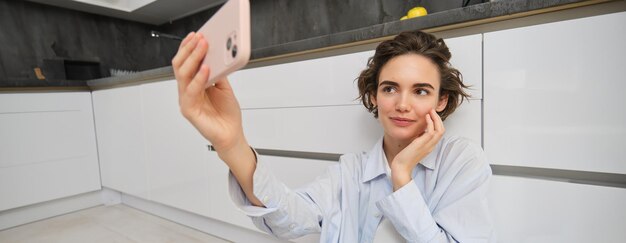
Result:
[[280, 21], [33, 35]]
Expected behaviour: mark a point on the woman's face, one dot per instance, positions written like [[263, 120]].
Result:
[[407, 90]]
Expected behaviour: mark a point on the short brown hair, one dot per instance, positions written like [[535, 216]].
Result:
[[423, 44]]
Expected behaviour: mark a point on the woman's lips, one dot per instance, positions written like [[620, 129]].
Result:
[[402, 122]]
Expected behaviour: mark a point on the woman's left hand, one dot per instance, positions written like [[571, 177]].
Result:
[[404, 162]]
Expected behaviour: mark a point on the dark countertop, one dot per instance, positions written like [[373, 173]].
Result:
[[496, 8], [478, 12]]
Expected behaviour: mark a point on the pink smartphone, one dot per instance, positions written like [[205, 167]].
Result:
[[228, 35]]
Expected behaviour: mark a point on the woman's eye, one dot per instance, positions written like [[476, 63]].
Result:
[[388, 89], [421, 92]]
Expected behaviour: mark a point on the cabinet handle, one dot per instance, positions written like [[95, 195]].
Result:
[[571, 176]]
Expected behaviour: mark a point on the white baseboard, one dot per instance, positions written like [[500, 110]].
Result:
[[28, 214], [31, 213], [110, 197], [210, 226]]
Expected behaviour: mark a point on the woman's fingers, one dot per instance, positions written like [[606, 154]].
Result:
[[431, 134], [429, 124], [426, 136], [196, 86], [190, 66], [437, 122], [223, 84], [437, 129], [187, 39], [182, 79], [186, 47]]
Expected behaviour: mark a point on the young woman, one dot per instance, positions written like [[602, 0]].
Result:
[[415, 181]]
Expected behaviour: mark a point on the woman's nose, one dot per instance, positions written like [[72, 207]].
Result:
[[402, 105]]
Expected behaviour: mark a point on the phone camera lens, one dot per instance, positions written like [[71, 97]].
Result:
[[234, 51], [229, 42]]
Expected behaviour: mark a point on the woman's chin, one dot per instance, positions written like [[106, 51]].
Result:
[[403, 135], [407, 133]]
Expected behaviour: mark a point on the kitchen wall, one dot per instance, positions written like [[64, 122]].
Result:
[[31, 33]]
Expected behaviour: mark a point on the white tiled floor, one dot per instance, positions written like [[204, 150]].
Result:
[[117, 223]]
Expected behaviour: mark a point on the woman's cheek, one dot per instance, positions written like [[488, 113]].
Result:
[[421, 112]]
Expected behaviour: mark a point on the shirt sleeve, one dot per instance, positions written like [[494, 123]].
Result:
[[287, 213], [461, 215]]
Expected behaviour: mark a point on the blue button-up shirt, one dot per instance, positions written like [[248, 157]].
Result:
[[445, 202]]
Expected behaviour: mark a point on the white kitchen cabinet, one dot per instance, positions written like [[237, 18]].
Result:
[[466, 121], [47, 147], [177, 154], [316, 82], [554, 95], [329, 129], [149, 150], [185, 175], [531, 210], [467, 58], [337, 129], [120, 131]]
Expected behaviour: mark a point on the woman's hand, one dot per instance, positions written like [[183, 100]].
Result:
[[404, 162], [213, 111]]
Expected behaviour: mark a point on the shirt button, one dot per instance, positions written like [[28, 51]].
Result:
[[292, 226], [265, 199], [377, 215]]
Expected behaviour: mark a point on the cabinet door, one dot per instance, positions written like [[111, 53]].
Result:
[[332, 129], [530, 210], [337, 129], [177, 155], [554, 95], [47, 147], [467, 58], [466, 121], [316, 82], [120, 140]]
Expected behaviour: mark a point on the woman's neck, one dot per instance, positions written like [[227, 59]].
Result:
[[392, 147]]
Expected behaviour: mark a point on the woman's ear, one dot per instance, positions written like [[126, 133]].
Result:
[[443, 102], [373, 100]]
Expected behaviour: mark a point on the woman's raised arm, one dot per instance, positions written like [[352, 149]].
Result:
[[214, 111]]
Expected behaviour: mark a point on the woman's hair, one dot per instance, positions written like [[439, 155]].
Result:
[[420, 43]]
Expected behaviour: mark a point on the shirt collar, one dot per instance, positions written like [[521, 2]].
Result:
[[376, 162], [374, 166]]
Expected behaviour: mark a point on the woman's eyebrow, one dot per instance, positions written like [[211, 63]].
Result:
[[416, 85], [387, 82], [422, 85]]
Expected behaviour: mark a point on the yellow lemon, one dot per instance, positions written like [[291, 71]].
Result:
[[416, 12], [404, 17]]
